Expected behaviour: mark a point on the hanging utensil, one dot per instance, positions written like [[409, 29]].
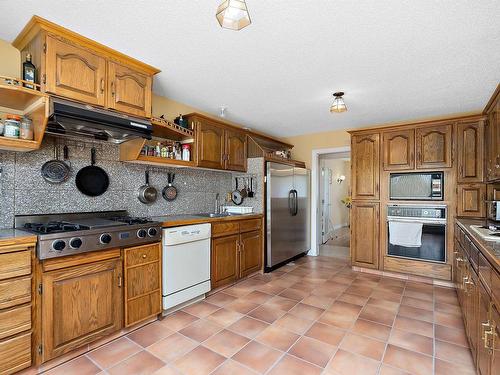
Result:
[[55, 171], [244, 191], [147, 194], [236, 196], [92, 180], [251, 193], [169, 192]]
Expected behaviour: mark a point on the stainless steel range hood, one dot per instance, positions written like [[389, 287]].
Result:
[[70, 119]]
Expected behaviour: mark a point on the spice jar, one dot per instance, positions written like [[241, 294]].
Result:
[[11, 126], [26, 128]]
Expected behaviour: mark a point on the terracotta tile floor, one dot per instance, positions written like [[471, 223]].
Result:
[[316, 316]]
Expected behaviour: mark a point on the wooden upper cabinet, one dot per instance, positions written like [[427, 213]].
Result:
[[365, 156], [74, 72], [493, 145], [471, 200], [236, 150], [211, 145], [79, 305], [129, 91], [470, 151], [434, 146], [365, 223], [399, 150]]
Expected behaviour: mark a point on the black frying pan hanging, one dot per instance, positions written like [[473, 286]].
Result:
[[92, 180], [169, 192]]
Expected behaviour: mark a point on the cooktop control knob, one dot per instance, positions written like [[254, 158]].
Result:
[[152, 232], [75, 243], [141, 233], [58, 245], [105, 238]]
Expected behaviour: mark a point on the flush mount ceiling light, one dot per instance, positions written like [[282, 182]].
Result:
[[233, 14], [338, 104]]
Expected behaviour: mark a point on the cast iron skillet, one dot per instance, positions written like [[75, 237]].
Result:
[[92, 180]]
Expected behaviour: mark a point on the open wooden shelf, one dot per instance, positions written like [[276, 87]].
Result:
[[23, 101], [166, 129]]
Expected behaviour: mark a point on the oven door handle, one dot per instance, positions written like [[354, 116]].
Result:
[[417, 220]]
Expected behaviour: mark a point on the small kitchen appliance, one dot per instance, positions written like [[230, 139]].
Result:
[[424, 186], [74, 233]]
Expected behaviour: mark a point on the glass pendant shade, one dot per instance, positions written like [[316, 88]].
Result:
[[338, 105], [233, 14]]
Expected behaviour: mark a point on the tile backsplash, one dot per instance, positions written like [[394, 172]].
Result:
[[24, 191]]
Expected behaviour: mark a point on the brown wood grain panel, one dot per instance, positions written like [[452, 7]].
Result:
[[15, 264], [15, 291], [471, 200], [399, 150], [250, 252], [224, 260], [15, 354], [142, 308], [142, 254], [225, 228], [250, 225], [414, 267], [15, 320], [80, 259], [365, 166], [434, 146], [236, 150], [365, 219], [470, 152]]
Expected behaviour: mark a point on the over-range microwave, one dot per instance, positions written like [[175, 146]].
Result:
[[422, 186]]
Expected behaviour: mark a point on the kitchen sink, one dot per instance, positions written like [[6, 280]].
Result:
[[213, 214], [486, 233]]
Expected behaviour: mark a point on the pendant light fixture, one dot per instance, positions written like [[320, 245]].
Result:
[[338, 104], [233, 14]]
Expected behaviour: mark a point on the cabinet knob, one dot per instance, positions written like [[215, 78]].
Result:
[[143, 256]]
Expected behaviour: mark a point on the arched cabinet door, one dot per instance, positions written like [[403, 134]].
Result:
[[434, 146], [210, 145], [129, 91], [399, 150], [74, 72], [365, 168], [470, 151], [236, 150]]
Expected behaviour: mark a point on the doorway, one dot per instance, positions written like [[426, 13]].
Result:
[[334, 204]]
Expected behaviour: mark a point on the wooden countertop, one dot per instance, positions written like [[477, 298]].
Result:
[[490, 249], [178, 220], [16, 237]]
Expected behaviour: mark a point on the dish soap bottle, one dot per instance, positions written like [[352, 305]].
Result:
[[29, 72]]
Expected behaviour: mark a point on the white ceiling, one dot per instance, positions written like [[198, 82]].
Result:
[[395, 59]]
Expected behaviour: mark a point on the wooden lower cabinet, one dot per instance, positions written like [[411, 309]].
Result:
[[16, 301], [236, 255], [79, 305], [250, 252], [365, 225], [142, 282]]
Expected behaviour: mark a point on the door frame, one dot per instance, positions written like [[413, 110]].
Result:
[[315, 196]]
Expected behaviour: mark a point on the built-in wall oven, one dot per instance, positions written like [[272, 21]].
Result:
[[417, 232], [423, 186]]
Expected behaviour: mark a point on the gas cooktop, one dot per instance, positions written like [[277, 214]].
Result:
[[73, 233]]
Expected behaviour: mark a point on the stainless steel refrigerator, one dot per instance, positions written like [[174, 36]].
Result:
[[288, 214]]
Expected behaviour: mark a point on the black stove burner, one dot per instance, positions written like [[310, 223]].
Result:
[[54, 227], [130, 220]]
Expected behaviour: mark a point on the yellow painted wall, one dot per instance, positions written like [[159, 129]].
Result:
[[10, 58], [304, 144]]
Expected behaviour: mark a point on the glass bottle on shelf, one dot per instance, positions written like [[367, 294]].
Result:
[[29, 72]]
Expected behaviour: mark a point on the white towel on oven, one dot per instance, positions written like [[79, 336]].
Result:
[[405, 234]]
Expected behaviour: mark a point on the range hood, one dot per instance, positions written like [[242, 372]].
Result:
[[70, 119]]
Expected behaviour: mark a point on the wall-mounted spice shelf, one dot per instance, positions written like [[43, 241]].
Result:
[[166, 129], [23, 101]]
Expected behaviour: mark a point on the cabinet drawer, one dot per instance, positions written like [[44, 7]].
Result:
[[15, 264], [15, 354], [474, 256], [142, 254], [142, 308], [13, 321], [15, 292], [142, 280], [495, 287], [485, 271], [249, 225], [225, 228]]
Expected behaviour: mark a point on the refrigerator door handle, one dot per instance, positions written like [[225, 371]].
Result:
[[295, 202], [291, 204]]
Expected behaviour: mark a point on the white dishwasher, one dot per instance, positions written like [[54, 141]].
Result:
[[185, 264]]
